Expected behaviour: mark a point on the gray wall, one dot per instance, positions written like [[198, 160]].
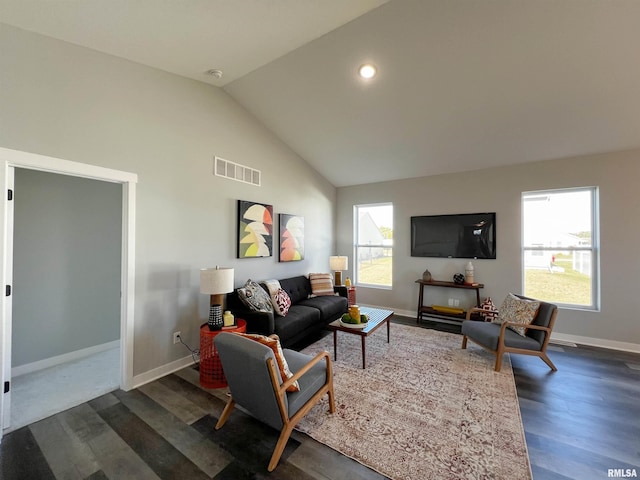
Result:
[[499, 190], [66, 264], [69, 102]]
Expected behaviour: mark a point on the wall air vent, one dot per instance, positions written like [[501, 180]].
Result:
[[235, 171]]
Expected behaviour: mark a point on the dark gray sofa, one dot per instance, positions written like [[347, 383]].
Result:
[[307, 316]]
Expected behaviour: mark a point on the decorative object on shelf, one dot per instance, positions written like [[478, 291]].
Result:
[[426, 276], [347, 282], [228, 318], [291, 238], [255, 229], [458, 279], [354, 311], [468, 274], [489, 310], [215, 317], [216, 282], [338, 263]]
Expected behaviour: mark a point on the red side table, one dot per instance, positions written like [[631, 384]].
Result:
[[211, 374], [351, 295]]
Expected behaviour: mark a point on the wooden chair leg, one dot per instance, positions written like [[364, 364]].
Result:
[[498, 360], [332, 400], [548, 361], [282, 442], [464, 342], [225, 413]]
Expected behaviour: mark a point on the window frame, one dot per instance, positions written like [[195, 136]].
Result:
[[594, 248], [357, 245]]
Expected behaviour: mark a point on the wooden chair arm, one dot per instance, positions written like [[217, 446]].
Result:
[[320, 356], [472, 310]]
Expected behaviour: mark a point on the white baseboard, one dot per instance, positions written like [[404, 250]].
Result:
[[560, 337], [596, 342], [64, 358], [159, 372]]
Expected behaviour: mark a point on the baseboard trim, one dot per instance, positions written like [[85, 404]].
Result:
[[64, 358], [596, 342], [159, 372]]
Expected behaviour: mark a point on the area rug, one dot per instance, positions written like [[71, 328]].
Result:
[[423, 408]]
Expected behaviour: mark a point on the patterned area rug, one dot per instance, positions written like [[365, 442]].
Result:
[[423, 408]]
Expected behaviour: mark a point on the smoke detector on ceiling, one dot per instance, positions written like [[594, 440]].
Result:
[[215, 73]]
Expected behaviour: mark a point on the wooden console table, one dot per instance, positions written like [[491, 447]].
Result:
[[426, 311]]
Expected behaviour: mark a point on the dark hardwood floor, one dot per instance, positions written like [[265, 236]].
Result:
[[579, 422]]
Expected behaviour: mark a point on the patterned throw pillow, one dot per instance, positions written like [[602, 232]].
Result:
[[321, 284], [517, 310], [490, 312], [254, 297], [279, 298], [273, 342]]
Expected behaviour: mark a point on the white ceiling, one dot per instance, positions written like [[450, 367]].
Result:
[[463, 85]]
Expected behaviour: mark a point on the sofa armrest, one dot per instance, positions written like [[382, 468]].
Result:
[[341, 290]]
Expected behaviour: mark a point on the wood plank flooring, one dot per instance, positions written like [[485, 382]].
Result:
[[579, 422]]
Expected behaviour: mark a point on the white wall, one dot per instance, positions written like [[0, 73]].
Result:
[[65, 296], [498, 190], [70, 102]]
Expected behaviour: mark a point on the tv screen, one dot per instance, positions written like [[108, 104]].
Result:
[[466, 235]]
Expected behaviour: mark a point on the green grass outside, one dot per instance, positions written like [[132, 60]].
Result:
[[376, 271], [562, 287]]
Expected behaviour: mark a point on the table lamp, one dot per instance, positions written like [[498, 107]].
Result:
[[216, 282], [338, 263]]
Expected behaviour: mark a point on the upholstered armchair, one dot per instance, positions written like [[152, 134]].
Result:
[[498, 338], [256, 384]]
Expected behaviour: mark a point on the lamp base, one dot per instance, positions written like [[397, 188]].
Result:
[[216, 321], [338, 278]]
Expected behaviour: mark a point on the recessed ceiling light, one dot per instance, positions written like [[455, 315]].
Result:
[[214, 72], [368, 70]]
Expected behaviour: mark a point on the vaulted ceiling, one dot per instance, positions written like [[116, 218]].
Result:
[[462, 84]]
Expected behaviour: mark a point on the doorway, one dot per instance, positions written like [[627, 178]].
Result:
[[21, 160]]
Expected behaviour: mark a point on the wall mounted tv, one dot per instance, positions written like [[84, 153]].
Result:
[[466, 235]]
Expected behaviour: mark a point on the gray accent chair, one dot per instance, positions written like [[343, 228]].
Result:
[[499, 339], [256, 385]]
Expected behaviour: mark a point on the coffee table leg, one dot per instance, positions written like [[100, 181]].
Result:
[[364, 352], [388, 331], [335, 345]]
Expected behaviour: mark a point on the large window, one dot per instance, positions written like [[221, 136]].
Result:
[[374, 244], [560, 246]]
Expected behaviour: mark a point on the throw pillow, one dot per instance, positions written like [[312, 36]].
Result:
[[279, 298], [489, 310], [517, 310], [321, 284], [273, 342], [254, 297]]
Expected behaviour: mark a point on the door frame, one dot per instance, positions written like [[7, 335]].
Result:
[[12, 159]]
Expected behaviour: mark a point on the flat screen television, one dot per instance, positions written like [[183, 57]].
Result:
[[466, 235]]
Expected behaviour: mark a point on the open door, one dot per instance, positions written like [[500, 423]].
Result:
[[11, 159]]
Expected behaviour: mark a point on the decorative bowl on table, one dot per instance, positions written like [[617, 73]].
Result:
[[348, 321]]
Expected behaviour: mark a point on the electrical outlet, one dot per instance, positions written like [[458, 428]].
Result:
[[456, 302], [176, 337], [451, 302]]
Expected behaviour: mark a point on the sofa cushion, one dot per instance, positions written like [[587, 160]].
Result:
[[331, 307], [321, 284], [298, 288], [299, 319], [254, 297]]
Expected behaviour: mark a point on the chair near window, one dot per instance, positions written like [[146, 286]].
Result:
[[256, 384], [498, 338]]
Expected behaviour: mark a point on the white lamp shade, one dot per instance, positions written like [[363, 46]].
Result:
[[215, 281], [338, 263]]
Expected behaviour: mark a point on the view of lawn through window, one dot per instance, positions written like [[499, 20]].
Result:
[[374, 244], [560, 246]]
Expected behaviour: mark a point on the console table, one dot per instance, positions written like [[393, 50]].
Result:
[[426, 311]]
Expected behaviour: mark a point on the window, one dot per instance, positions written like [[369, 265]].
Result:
[[560, 246], [374, 244]]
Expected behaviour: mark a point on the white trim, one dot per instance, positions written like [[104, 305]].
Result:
[[64, 358], [596, 342], [17, 159], [159, 372]]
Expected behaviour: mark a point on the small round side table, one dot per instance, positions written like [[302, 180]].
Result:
[[211, 374]]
